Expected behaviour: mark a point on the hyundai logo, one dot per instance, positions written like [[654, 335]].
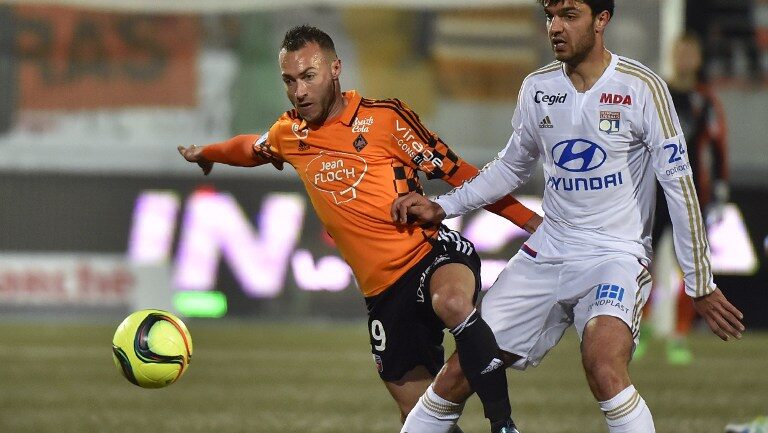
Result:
[[578, 155]]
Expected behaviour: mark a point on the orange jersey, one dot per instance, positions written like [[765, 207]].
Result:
[[353, 167]]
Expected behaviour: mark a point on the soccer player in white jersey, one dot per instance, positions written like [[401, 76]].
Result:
[[605, 128]]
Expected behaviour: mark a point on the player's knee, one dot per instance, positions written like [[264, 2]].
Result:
[[596, 368], [452, 305], [605, 375]]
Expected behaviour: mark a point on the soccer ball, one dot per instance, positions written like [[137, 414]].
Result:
[[152, 348]]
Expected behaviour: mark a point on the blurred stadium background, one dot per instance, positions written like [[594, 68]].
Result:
[[99, 215]]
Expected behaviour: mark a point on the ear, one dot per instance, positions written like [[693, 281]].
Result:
[[601, 21], [336, 68]]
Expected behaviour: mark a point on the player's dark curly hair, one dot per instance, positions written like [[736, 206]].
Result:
[[298, 37], [597, 6]]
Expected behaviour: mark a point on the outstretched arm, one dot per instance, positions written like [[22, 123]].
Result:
[[421, 149], [502, 176], [495, 181], [507, 207], [242, 151]]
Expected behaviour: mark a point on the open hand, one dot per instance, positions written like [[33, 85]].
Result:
[[193, 154], [419, 208], [722, 317]]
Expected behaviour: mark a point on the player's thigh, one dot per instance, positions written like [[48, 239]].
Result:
[[523, 311], [452, 277], [404, 331], [454, 272], [617, 286]]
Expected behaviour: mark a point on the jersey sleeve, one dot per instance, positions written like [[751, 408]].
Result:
[[418, 147], [669, 155], [507, 206], [511, 169], [242, 150], [423, 150]]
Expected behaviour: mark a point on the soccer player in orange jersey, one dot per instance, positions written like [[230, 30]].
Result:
[[355, 156]]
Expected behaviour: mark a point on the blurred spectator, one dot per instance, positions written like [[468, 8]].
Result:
[[725, 26], [703, 124]]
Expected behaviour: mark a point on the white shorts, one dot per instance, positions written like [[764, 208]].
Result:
[[531, 304]]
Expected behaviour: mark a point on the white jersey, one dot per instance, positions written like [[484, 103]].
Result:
[[600, 150]]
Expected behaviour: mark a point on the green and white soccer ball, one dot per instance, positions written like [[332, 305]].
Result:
[[152, 348]]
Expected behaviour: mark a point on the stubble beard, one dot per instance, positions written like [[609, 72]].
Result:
[[581, 49]]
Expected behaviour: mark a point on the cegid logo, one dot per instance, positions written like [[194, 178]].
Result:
[[540, 97], [338, 174], [578, 155]]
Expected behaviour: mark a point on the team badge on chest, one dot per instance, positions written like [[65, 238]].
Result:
[[360, 143], [609, 121]]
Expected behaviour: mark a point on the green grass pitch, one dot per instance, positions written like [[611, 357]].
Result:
[[320, 378]]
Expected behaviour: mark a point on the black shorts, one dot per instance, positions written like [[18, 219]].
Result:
[[404, 330]]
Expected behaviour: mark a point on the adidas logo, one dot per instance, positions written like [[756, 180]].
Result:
[[303, 145], [495, 363], [546, 123]]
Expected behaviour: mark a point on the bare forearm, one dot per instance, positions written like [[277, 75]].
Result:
[[236, 151]]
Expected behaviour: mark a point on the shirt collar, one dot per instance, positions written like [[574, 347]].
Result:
[[346, 117], [353, 102]]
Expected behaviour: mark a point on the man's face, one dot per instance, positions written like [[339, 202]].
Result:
[[571, 29], [309, 75], [687, 57]]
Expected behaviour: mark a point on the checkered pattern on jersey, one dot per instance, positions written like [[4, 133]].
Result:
[[450, 160], [406, 180], [434, 148]]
